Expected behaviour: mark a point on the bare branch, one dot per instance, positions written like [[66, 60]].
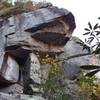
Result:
[[73, 56]]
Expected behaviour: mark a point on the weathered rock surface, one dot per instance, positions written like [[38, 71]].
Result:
[[73, 48], [24, 28], [9, 69], [19, 97], [43, 30], [75, 57], [12, 89], [35, 73]]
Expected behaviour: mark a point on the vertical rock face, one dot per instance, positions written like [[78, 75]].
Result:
[[13, 73], [74, 51], [9, 70], [45, 26], [35, 69], [45, 30], [76, 57], [1, 36]]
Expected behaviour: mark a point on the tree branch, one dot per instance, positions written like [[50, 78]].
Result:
[[73, 56]]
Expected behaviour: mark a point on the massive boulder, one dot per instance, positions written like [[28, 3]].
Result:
[[9, 70], [45, 30], [19, 97], [76, 56]]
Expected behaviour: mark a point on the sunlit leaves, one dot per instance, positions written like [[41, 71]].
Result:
[[92, 34], [87, 87], [51, 86]]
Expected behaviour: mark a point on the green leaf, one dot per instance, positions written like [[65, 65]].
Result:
[[85, 40], [92, 35], [86, 33], [80, 43], [90, 26], [94, 45], [89, 67], [97, 51], [90, 39], [98, 17], [97, 32], [86, 29], [90, 74], [87, 48], [96, 26]]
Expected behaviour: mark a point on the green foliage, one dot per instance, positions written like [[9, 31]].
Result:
[[94, 69], [86, 81], [7, 9], [81, 43], [90, 67], [92, 73], [94, 34], [53, 87], [88, 88], [97, 51]]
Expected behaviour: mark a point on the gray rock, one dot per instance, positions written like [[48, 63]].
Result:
[[4, 96], [73, 48], [17, 38], [19, 28], [9, 69], [71, 66], [70, 70], [12, 89], [35, 71]]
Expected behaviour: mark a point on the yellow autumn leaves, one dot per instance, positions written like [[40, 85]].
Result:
[[54, 66]]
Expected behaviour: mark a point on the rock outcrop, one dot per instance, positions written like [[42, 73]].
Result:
[[45, 30], [75, 57]]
